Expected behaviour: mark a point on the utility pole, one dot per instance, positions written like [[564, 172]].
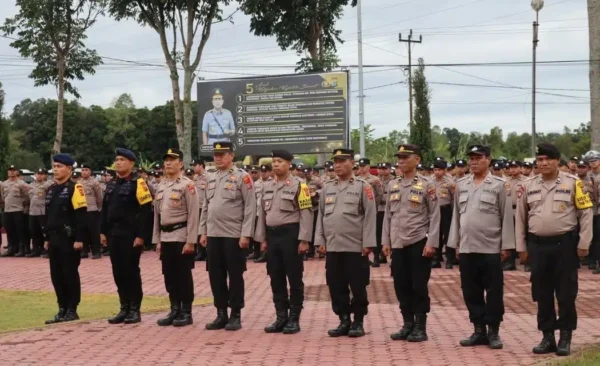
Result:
[[409, 41], [536, 5], [361, 95]]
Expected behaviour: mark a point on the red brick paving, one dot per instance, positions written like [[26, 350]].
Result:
[[97, 343]]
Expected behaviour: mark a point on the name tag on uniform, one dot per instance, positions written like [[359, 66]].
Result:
[[212, 185], [395, 197], [159, 196], [329, 200], [228, 186], [174, 196], [414, 198], [396, 186], [233, 178]]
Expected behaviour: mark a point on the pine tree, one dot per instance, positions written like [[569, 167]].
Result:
[[420, 131], [4, 148]]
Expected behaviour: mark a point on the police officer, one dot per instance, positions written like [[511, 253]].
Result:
[[444, 188], [330, 174], [127, 205], [200, 182], [284, 227], [412, 203], [37, 210], [266, 172], [217, 124], [513, 185], [176, 220], [189, 173], [64, 232], [254, 252], [346, 233], [93, 193], [460, 169], [572, 165], [386, 177], [526, 169], [550, 206], [497, 169], [227, 226], [13, 199], [364, 171], [483, 232], [315, 185]]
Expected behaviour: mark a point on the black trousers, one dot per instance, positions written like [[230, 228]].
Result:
[[284, 265], [26, 234], [345, 272], [378, 231], [482, 282], [595, 247], [554, 264], [177, 270], [92, 232], [125, 260], [36, 225], [411, 272], [445, 221], [226, 259], [64, 270], [15, 232]]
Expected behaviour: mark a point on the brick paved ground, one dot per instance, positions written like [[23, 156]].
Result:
[[97, 343]]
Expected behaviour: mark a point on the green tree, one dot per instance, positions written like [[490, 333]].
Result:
[[454, 136], [439, 143], [4, 139], [308, 27], [51, 33], [180, 21], [420, 133]]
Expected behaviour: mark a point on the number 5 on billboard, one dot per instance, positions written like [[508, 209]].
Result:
[[249, 88]]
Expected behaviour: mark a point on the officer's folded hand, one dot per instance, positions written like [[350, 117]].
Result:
[[203, 240], [428, 252], [523, 256], [78, 245], [387, 251], [366, 252], [244, 242], [103, 240], [322, 249], [46, 245], [504, 254], [303, 247], [263, 246], [138, 242], [188, 248], [582, 253]]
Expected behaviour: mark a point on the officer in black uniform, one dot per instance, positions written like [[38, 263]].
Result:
[[127, 205], [66, 208]]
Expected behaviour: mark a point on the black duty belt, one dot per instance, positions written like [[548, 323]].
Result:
[[171, 228], [556, 239], [514, 207], [216, 136], [282, 228]]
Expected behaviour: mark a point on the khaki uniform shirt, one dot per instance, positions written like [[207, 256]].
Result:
[[482, 219], [346, 216], [444, 189], [375, 183], [200, 183], [37, 197], [280, 206], [229, 208], [103, 187], [596, 188], [385, 181], [514, 185], [93, 193], [553, 208], [411, 213], [14, 195], [176, 202]]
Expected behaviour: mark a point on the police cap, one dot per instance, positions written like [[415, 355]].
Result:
[[364, 162], [479, 150], [343, 154], [407, 150], [222, 146], [173, 153]]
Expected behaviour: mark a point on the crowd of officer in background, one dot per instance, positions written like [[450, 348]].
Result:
[[481, 213]]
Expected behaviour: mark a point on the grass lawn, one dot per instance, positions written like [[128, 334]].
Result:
[[587, 357], [30, 309]]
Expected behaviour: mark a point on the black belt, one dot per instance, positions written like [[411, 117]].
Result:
[[282, 228], [216, 136], [171, 228], [514, 207], [556, 239]]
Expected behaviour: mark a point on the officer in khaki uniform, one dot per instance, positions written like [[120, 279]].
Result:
[[364, 171], [513, 185], [550, 206], [95, 197], [14, 197], [483, 231], [285, 226], [227, 226], [37, 211], [411, 230], [346, 233], [444, 188], [176, 220], [200, 183], [386, 177], [254, 251], [315, 186]]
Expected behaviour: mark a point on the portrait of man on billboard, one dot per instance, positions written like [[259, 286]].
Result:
[[217, 124]]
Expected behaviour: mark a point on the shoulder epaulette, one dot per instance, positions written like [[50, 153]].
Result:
[[499, 178]]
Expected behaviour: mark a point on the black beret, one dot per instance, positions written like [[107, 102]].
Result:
[[86, 166], [328, 163], [574, 158], [127, 154], [64, 159], [254, 168], [282, 154], [189, 172], [293, 166], [197, 161], [12, 167], [582, 163], [330, 168], [526, 164], [420, 166], [497, 166], [514, 163], [547, 149], [42, 171]]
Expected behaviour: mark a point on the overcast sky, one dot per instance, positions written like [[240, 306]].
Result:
[[455, 31]]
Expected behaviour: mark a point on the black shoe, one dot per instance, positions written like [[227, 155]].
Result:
[[436, 264], [33, 254], [564, 343], [419, 333], [509, 266], [168, 320], [220, 322], [262, 258], [185, 316], [85, 255], [449, 265], [382, 259], [547, 345], [592, 265], [304, 257], [20, 254], [70, 315], [134, 315], [356, 330], [201, 257], [45, 255], [58, 317], [527, 268], [293, 325], [235, 320], [404, 332], [252, 256], [321, 255], [121, 315], [597, 271], [478, 338], [494, 338], [375, 263], [343, 329], [279, 323], [97, 256], [7, 254]]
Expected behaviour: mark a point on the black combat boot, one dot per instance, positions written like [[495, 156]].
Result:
[[293, 325], [382, 258], [121, 315], [262, 258], [357, 330], [220, 322], [407, 328], [185, 316], [592, 265], [547, 345], [435, 263], [376, 262], [280, 321], [564, 343], [97, 256], [419, 333], [168, 320], [134, 315], [70, 315], [84, 254], [201, 256], [58, 317], [235, 320], [478, 338], [21, 252], [494, 338], [255, 254], [343, 328], [509, 265]]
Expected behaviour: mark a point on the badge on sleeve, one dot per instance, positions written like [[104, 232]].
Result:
[[248, 181], [431, 193], [142, 193], [78, 200], [369, 192], [191, 188]]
